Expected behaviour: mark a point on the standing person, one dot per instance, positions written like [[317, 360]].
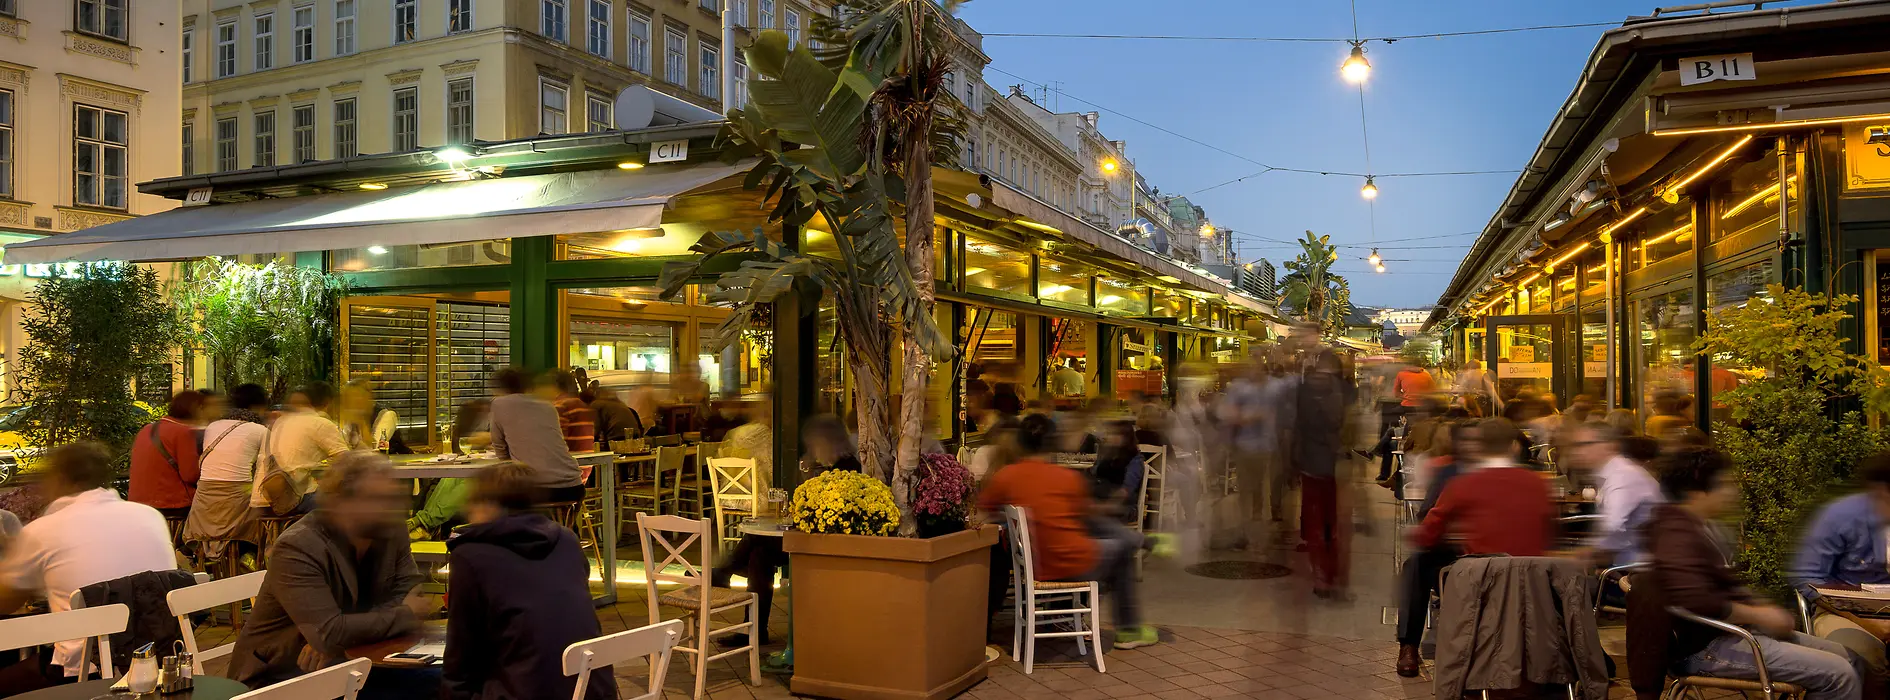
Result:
[[504, 640], [1409, 388], [1845, 545], [576, 420], [1249, 411], [1068, 543], [338, 579], [164, 468], [1066, 381], [1476, 390], [525, 428], [1320, 403], [221, 513], [87, 535], [301, 439], [1691, 568]]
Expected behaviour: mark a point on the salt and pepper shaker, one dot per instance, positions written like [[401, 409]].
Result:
[[143, 676], [179, 671]]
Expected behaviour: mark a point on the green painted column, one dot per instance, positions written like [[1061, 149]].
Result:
[[795, 340], [534, 305]]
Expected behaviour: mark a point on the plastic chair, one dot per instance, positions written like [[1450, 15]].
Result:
[[205, 596], [1765, 684], [733, 481], [653, 642], [341, 682], [676, 536], [82, 623], [1084, 598]]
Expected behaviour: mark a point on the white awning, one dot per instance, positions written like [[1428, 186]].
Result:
[[446, 212]]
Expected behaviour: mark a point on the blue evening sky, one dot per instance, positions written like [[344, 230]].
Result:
[[1464, 103]]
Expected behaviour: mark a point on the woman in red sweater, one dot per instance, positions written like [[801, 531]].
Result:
[[164, 457], [1495, 506]]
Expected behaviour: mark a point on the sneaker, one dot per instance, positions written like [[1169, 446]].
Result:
[[1134, 637], [1161, 544]]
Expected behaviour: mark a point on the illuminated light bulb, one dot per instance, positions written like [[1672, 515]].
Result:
[[1370, 190], [1109, 166], [1380, 266], [1355, 68], [1374, 259], [377, 250], [630, 165], [373, 185]]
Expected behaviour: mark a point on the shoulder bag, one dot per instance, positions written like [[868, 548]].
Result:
[[278, 488]]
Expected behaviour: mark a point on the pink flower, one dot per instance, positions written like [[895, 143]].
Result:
[[944, 488]]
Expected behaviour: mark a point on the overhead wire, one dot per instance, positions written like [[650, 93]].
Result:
[[1305, 39]]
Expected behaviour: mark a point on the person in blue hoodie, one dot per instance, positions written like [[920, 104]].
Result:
[[506, 641]]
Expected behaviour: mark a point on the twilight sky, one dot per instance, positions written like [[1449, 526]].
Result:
[[1447, 104]]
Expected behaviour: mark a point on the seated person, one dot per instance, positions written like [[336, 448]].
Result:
[[1691, 568], [1116, 480], [505, 640], [756, 557], [87, 535], [1452, 445], [1069, 543], [446, 498], [339, 578], [1626, 495], [1496, 507], [1845, 545]]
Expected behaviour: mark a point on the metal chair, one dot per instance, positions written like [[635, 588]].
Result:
[[673, 538], [1764, 684], [652, 642], [1083, 597]]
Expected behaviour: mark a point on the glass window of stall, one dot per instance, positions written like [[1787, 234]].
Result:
[[1201, 313], [993, 267], [1594, 282], [1725, 290], [426, 351], [1063, 281], [1747, 201], [1068, 345], [1121, 296], [1170, 304], [1562, 285], [407, 257], [1664, 234], [1664, 324]]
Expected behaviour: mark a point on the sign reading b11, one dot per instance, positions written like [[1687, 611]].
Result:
[[1706, 69]]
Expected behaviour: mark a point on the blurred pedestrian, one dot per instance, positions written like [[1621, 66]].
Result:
[[1321, 400], [1453, 449], [164, 462]]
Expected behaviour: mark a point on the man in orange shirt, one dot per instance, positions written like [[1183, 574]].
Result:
[[1069, 542]]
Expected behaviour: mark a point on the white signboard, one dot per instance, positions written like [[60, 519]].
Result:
[[1594, 370], [198, 196], [669, 151], [1706, 69], [1524, 370]]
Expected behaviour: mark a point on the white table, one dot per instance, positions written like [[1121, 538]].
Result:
[[603, 469]]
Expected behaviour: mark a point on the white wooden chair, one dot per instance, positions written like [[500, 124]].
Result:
[[340, 682], [204, 596], [652, 642], [1084, 599], [1152, 504], [79, 623], [734, 481], [676, 536]]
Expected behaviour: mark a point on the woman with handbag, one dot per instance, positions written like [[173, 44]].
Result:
[[164, 469], [232, 447]]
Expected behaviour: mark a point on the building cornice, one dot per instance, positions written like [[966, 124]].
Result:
[[99, 91]]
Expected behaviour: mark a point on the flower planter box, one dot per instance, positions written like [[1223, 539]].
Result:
[[889, 617]]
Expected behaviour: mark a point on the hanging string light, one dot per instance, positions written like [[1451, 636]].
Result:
[[1355, 68], [1375, 260], [1370, 190]]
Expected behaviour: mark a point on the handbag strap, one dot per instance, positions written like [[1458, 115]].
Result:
[[212, 447], [164, 450]]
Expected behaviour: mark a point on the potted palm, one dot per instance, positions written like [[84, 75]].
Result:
[[845, 140]]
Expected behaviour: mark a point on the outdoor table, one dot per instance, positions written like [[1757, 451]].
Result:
[[603, 469], [431, 632], [762, 527], [206, 688]]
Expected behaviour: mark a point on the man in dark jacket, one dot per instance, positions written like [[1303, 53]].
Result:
[[506, 641], [1690, 569], [339, 578]]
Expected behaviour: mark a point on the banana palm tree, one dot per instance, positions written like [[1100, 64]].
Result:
[[1311, 290], [844, 137]]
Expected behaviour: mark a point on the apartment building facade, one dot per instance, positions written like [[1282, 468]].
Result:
[[276, 82]]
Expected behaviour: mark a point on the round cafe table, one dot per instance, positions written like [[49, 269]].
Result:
[[780, 661], [207, 688]]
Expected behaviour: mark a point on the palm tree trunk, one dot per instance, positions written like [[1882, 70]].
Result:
[[870, 407], [918, 363]]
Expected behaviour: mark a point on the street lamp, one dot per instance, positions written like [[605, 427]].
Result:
[[1356, 68], [1110, 167], [1207, 230], [1370, 190]]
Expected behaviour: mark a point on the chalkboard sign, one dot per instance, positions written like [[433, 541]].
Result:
[[1883, 314]]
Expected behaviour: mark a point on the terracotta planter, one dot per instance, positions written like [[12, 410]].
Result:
[[889, 617]]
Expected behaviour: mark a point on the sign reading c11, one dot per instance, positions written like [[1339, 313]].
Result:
[[1706, 69]]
